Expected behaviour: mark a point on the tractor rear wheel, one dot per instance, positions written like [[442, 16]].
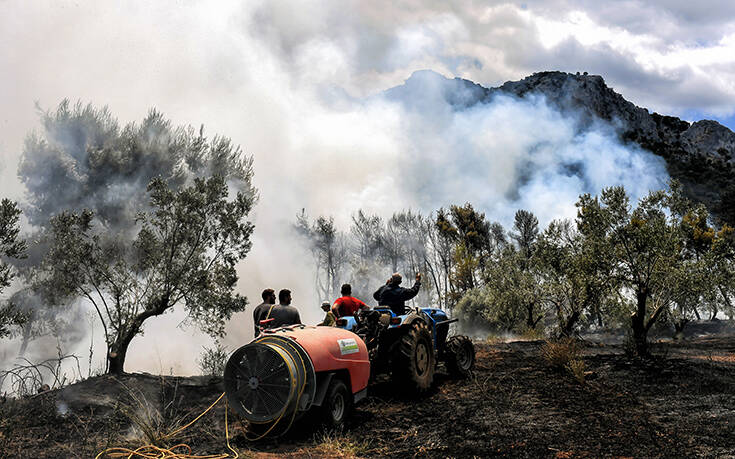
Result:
[[415, 362], [337, 404], [460, 356]]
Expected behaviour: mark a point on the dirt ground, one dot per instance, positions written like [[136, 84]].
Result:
[[680, 404]]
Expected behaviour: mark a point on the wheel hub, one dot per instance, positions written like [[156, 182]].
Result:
[[338, 407], [253, 382], [422, 358]]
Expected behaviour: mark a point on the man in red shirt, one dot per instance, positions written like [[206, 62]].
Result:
[[347, 305]]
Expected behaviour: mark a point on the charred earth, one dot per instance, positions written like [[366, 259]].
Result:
[[677, 405]]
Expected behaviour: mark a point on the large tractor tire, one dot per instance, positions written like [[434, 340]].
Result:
[[460, 356], [337, 405], [415, 362]]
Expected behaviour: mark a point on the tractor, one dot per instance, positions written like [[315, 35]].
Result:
[[408, 346], [290, 371]]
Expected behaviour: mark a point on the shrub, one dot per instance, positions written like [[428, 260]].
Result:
[[212, 360], [560, 352]]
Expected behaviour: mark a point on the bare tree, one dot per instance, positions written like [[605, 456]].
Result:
[[329, 249]]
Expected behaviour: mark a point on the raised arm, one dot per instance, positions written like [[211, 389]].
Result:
[[408, 293]]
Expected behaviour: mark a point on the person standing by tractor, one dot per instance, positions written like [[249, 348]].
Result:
[[329, 319], [261, 311], [283, 313], [394, 296], [347, 305]]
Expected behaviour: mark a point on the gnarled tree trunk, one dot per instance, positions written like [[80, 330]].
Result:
[[638, 324]]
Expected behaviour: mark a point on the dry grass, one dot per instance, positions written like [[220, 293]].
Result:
[[532, 334], [330, 444], [560, 352], [576, 368], [565, 355], [153, 422]]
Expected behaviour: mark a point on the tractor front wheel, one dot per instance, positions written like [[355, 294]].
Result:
[[460, 356], [415, 362]]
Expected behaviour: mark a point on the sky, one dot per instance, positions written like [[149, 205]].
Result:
[[297, 85]]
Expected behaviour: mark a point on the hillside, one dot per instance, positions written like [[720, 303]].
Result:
[[701, 155]]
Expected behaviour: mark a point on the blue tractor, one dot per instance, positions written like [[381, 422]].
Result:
[[408, 346]]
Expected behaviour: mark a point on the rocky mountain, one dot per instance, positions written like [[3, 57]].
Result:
[[701, 155]]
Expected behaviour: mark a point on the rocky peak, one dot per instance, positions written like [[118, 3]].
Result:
[[701, 155]]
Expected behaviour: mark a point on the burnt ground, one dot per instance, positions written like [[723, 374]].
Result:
[[680, 404]]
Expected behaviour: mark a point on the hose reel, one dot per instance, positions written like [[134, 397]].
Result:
[[269, 379]]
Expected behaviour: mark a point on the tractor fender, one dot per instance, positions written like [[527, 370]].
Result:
[[413, 317], [324, 378], [408, 320]]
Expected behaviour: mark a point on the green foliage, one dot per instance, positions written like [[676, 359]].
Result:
[[658, 251], [185, 253], [575, 280], [525, 233], [11, 246], [83, 159], [507, 299], [616, 265]]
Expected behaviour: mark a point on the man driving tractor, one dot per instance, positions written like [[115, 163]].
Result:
[[394, 296]]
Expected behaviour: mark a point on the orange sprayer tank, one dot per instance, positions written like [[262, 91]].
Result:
[[285, 371]]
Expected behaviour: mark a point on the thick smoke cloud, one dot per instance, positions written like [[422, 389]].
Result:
[[300, 85]]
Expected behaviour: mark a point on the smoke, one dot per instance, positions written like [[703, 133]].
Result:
[[305, 94]]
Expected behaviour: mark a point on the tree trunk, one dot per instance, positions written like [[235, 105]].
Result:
[[679, 328], [118, 351], [529, 320], [640, 331], [25, 341], [569, 324], [116, 361]]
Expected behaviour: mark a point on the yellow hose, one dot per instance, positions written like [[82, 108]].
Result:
[[155, 452], [298, 398]]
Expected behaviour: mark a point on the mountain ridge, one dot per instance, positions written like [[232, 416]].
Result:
[[701, 155]]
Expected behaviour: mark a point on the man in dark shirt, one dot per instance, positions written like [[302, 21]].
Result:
[[283, 313], [261, 311], [395, 296], [347, 305]]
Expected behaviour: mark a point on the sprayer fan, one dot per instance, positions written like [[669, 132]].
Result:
[[259, 381]]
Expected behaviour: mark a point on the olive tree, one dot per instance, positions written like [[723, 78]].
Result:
[[184, 254], [81, 157], [574, 278], [11, 246], [644, 247]]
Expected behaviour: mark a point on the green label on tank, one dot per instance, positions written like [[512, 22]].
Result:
[[348, 346]]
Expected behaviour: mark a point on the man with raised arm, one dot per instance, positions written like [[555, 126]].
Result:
[[394, 296]]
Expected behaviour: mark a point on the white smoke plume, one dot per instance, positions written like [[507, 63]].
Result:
[[304, 94]]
